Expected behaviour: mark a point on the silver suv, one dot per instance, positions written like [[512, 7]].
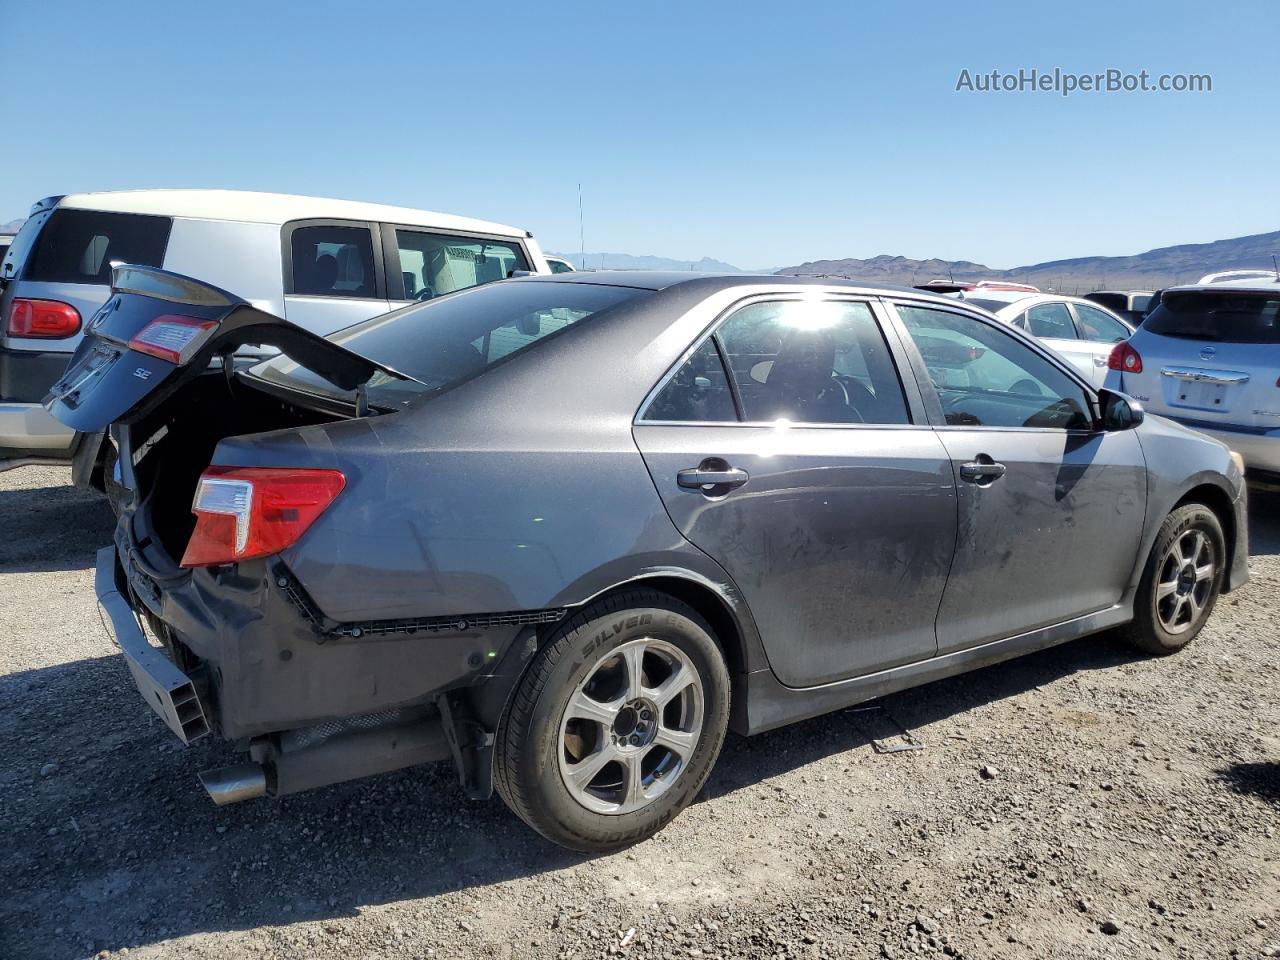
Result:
[[1209, 357]]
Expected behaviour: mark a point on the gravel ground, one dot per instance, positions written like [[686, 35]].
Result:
[[1080, 802]]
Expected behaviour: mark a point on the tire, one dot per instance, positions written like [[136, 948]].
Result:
[[1170, 608], [616, 661]]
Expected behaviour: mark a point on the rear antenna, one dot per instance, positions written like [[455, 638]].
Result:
[[1276, 265]]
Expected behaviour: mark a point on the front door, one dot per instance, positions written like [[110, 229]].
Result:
[[1049, 507], [807, 474]]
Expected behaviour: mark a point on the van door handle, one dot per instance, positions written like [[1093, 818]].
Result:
[[709, 477], [1100, 361], [983, 471]]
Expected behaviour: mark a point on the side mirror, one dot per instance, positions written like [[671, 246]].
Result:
[[1119, 411]]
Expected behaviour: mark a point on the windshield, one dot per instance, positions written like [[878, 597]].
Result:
[[443, 342], [1229, 317]]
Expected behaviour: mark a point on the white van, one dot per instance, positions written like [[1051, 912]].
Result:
[[322, 264]]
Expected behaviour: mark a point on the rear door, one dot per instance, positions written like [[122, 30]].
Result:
[[809, 475], [1051, 323], [333, 273], [1050, 509], [1102, 331], [425, 264]]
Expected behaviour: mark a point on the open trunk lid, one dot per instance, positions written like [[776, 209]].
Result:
[[160, 329]]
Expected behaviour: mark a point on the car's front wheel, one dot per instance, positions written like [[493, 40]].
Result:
[[616, 723], [1181, 581]]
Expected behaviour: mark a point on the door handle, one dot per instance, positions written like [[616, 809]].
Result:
[[714, 477], [1100, 361], [982, 471]]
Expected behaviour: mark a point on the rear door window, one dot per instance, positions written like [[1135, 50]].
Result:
[[79, 246], [433, 264], [699, 392], [1098, 326], [1052, 320], [332, 260]]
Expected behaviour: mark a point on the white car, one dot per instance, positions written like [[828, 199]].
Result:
[[1208, 356], [322, 264], [1083, 333]]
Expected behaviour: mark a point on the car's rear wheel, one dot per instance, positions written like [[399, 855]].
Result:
[[616, 723], [1181, 582]]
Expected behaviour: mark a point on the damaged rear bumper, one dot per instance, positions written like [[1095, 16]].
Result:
[[166, 689]]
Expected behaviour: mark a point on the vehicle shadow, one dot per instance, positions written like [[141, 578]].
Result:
[[52, 528], [1264, 522], [119, 846], [1257, 779]]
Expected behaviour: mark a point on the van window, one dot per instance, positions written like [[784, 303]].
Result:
[[333, 261], [433, 264], [79, 246]]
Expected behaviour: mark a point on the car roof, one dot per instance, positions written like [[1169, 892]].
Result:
[[1247, 284], [667, 279], [278, 208]]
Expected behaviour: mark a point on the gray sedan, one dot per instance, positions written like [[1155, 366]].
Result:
[[566, 531]]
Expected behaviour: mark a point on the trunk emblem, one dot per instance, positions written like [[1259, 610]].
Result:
[[142, 373], [1208, 353]]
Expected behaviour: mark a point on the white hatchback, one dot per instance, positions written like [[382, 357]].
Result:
[[1082, 332]]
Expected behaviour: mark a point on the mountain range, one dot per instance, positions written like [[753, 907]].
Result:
[[627, 261], [1162, 267]]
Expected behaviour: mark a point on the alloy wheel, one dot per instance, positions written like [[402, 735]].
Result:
[[631, 726], [1184, 581]]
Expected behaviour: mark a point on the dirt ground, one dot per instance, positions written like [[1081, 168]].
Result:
[[1130, 808]]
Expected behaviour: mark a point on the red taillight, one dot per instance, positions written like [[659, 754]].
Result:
[[47, 319], [1125, 359], [173, 338], [246, 512]]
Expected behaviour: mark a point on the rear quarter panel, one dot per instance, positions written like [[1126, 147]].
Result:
[[520, 490]]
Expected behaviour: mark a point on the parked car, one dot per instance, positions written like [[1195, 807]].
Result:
[[1208, 357], [566, 530], [559, 265], [1131, 305], [1083, 332], [323, 264], [957, 286], [5, 240]]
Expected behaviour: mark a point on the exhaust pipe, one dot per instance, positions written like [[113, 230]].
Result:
[[244, 781], [348, 755]]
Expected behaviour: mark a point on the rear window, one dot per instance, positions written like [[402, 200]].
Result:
[[79, 246], [994, 306], [444, 342], [1229, 317]]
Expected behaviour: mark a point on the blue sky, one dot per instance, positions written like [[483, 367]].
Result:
[[763, 134]]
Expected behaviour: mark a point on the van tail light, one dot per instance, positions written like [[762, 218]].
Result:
[[46, 319], [1125, 359], [173, 338], [247, 512]]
